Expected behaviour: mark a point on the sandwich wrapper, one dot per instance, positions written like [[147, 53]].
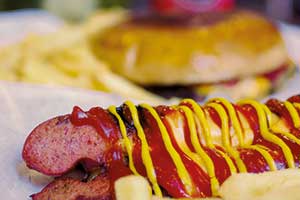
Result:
[[24, 106]]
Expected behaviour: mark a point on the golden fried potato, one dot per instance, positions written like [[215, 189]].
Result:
[[136, 187], [277, 185], [132, 188], [65, 58]]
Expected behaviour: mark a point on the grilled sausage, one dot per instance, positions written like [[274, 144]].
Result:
[[185, 150]]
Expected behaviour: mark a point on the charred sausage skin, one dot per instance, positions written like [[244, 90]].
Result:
[[185, 150]]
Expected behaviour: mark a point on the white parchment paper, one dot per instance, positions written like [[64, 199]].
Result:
[[22, 107]]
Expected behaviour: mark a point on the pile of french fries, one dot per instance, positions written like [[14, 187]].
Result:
[[276, 185], [65, 58]]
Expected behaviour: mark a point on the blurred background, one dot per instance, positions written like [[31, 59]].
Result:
[[288, 10], [91, 47]]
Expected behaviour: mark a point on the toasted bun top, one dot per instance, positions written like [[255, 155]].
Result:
[[168, 50]]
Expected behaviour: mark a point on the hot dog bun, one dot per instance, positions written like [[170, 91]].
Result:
[[190, 50], [164, 53]]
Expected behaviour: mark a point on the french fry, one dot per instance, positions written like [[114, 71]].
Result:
[[132, 188], [79, 61], [137, 188], [10, 58], [65, 58], [102, 20], [277, 185], [158, 198]]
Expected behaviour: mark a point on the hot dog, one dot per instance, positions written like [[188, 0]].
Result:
[[71, 189], [186, 150]]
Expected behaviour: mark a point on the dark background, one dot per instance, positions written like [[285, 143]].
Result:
[[273, 8]]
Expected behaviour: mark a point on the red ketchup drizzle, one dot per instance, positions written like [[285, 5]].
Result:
[[252, 159], [165, 169], [214, 116], [251, 115], [137, 157], [115, 161], [199, 177], [222, 170], [108, 129], [136, 150], [116, 166], [294, 99], [279, 109], [187, 134], [100, 119], [295, 148]]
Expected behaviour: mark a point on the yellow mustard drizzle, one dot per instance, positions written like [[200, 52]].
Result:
[[230, 163], [186, 150], [196, 144], [289, 136], [294, 113], [267, 156], [238, 130], [203, 121], [297, 106], [233, 117], [127, 142], [181, 169], [146, 157], [201, 116], [266, 134], [193, 111], [268, 114], [226, 136], [271, 125]]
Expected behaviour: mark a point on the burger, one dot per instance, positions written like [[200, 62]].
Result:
[[239, 53]]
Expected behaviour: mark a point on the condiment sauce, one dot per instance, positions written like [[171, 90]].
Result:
[[150, 136]]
